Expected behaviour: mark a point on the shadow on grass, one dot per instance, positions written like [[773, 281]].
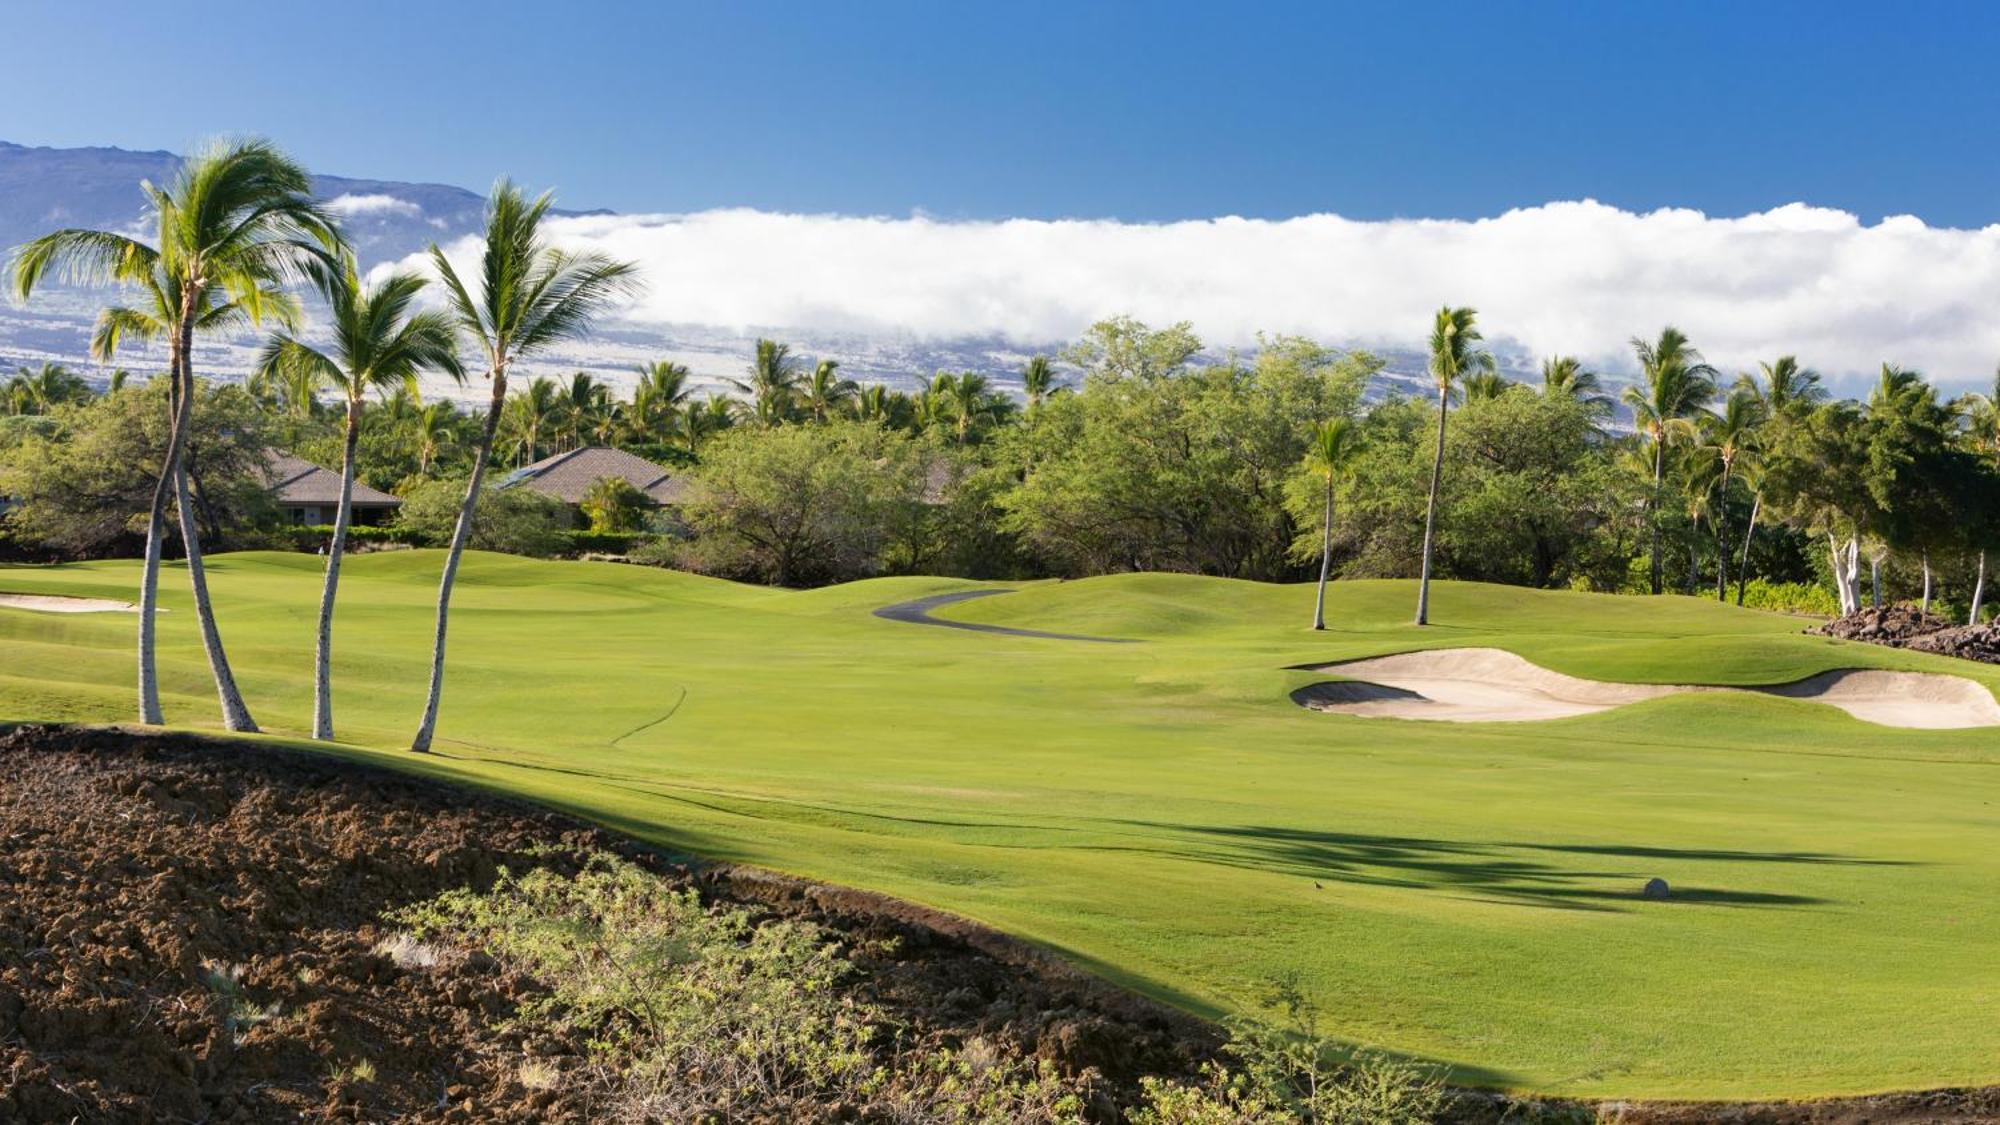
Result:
[[1493, 872]]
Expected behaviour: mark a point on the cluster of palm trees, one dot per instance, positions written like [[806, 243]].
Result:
[[236, 235], [44, 389]]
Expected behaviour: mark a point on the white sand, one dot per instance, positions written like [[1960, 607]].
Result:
[[1488, 685], [52, 603]]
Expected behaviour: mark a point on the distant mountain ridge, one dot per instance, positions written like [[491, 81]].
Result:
[[42, 189], [45, 188]]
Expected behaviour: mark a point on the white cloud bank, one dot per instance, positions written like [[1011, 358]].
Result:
[[351, 205], [1579, 278]]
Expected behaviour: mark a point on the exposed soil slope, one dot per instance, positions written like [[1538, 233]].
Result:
[[136, 866]]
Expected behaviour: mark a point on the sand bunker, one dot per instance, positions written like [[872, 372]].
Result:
[[54, 603], [1488, 685]]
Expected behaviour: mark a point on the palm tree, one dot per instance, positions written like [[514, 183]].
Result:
[[1565, 376], [531, 413], [1783, 389], [1486, 385], [826, 390], [773, 385], [658, 399], [1752, 472], [1038, 381], [47, 387], [582, 405], [235, 224], [871, 404], [1330, 456], [379, 341], [116, 382], [1675, 385], [1732, 436], [434, 426], [1981, 413], [1455, 355], [969, 401], [698, 423], [531, 295]]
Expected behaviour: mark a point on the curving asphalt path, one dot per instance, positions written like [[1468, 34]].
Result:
[[918, 612]]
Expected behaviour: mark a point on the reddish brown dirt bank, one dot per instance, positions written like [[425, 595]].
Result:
[[132, 864]]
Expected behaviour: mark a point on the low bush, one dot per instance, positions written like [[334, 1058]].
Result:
[[706, 1013], [311, 537], [1791, 597], [604, 542]]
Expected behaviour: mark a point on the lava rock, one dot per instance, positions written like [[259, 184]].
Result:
[[1657, 888]]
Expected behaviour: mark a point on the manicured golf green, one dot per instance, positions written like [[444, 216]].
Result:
[[1161, 813]]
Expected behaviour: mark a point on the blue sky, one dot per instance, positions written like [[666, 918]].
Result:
[[1141, 112]]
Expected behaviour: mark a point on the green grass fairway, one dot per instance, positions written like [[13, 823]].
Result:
[[1161, 813]]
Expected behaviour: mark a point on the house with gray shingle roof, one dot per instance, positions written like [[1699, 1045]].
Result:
[[310, 495], [568, 476]]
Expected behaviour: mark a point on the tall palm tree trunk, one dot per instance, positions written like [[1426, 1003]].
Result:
[[323, 644], [422, 743], [1653, 506], [1926, 608], [156, 526], [235, 715], [1430, 511], [1325, 556], [1721, 522], [1978, 590], [1743, 566]]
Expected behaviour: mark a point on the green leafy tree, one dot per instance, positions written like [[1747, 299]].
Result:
[[380, 340], [613, 504], [528, 296], [236, 224]]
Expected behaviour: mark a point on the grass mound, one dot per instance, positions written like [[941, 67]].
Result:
[[1161, 813]]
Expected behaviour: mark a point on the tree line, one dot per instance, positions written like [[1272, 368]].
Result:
[[1133, 449]]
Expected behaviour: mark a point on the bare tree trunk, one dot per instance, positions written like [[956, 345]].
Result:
[[1430, 512], [1875, 581], [1694, 556], [1721, 522], [422, 742], [323, 644], [1978, 589], [1325, 556], [1926, 608], [1743, 567]]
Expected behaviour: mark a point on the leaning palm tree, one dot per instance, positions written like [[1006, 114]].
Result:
[[530, 295], [1455, 355], [236, 223], [380, 341], [1329, 456], [1675, 385]]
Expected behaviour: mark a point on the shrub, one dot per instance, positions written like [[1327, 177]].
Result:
[[1790, 597], [312, 537], [518, 521], [605, 542]]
